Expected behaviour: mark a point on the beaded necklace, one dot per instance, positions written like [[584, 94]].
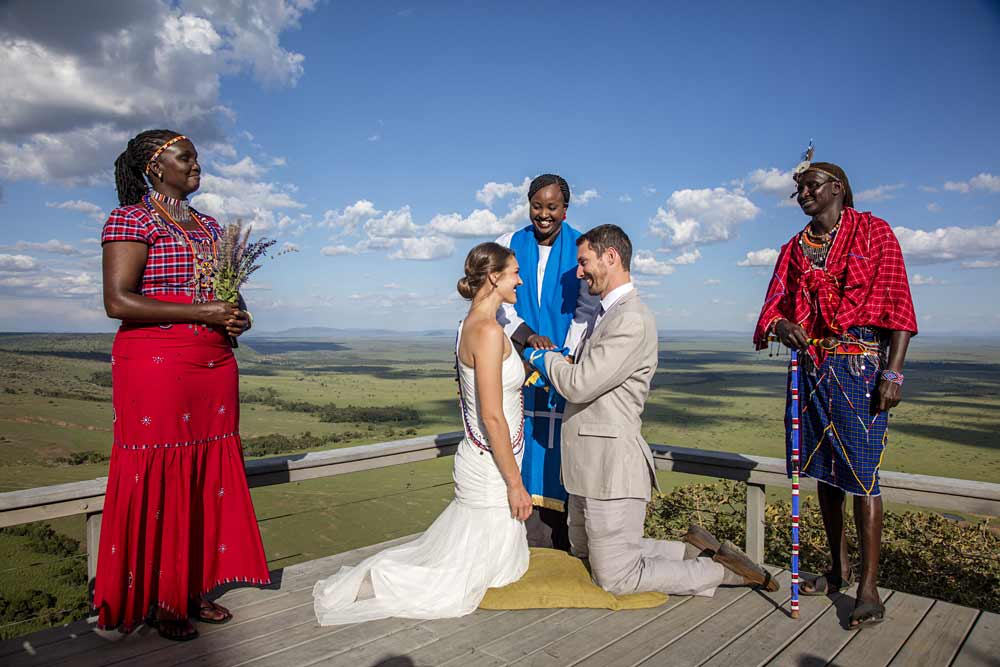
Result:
[[203, 262], [816, 248]]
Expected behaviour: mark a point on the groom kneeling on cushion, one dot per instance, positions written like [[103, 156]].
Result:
[[607, 467]]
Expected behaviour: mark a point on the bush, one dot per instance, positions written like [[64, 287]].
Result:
[[79, 458], [101, 378], [922, 554], [42, 539], [329, 412]]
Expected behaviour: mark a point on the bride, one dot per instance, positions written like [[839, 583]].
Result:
[[479, 541]]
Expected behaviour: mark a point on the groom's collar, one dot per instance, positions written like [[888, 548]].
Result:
[[614, 295]]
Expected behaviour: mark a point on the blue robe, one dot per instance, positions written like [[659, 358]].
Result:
[[552, 317]]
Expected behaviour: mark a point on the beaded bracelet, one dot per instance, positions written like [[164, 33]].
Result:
[[893, 377]]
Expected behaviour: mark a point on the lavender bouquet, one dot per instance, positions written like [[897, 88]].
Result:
[[237, 260]]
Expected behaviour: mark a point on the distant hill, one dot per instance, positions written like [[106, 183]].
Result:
[[331, 332]]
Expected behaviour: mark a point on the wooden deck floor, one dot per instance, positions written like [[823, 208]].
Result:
[[738, 627]]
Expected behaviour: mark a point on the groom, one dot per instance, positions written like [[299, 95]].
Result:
[[607, 467]]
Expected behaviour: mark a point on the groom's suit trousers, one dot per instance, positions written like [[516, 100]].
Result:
[[609, 534]]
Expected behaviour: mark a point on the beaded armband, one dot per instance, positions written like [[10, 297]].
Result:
[[893, 377]]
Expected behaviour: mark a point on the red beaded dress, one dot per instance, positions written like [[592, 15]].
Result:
[[178, 519]]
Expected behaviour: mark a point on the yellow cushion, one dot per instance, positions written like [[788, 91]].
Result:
[[557, 580]]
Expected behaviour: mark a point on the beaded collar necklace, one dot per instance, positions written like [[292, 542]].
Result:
[[816, 248], [202, 258]]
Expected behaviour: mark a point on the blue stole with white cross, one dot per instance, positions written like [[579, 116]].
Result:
[[549, 316]]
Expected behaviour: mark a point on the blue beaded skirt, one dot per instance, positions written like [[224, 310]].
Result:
[[843, 437]]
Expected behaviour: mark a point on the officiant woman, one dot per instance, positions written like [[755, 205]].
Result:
[[178, 519]]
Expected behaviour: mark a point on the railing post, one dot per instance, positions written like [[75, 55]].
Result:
[[756, 498], [93, 540]]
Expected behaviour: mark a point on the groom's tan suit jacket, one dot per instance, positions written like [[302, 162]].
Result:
[[603, 453]]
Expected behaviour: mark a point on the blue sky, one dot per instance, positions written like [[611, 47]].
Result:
[[386, 139]]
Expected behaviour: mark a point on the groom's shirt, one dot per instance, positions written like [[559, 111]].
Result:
[[586, 306]]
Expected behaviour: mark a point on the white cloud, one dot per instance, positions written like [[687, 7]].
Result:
[[934, 207], [17, 263], [336, 250], [689, 257], [393, 225], [288, 246], [585, 197], [347, 221], [918, 279], [90, 209], [254, 202], [713, 282], [625, 198], [880, 193], [949, 243], [983, 181], [645, 282], [54, 246], [928, 188], [702, 216], [425, 248], [982, 264], [480, 223], [771, 181], [648, 190], [494, 191], [245, 168], [763, 257], [90, 80], [646, 264], [392, 286]]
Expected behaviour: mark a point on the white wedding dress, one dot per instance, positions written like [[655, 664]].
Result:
[[473, 545]]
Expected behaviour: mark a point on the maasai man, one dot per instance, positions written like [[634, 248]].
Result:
[[842, 280], [553, 308]]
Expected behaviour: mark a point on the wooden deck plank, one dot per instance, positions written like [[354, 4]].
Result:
[[326, 649], [982, 646], [635, 647], [822, 640], [938, 637], [708, 638], [259, 628], [778, 630], [877, 645], [305, 644], [54, 644], [532, 638], [585, 641], [462, 643]]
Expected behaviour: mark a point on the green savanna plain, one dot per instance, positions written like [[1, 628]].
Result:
[[711, 392]]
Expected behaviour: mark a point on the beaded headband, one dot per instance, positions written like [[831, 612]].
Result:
[[822, 171], [156, 153]]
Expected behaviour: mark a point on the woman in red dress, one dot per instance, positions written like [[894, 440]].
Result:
[[178, 519]]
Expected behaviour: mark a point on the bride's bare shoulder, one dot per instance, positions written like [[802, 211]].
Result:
[[482, 335]]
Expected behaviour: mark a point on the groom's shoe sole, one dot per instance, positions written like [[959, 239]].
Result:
[[702, 539], [733, 559]]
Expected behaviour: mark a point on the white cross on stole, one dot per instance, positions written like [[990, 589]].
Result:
[[553, 416]]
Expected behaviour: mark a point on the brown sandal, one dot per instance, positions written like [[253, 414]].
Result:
[[205, 610]]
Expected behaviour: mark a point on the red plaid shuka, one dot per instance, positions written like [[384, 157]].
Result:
[[169, 265], [864, 284]]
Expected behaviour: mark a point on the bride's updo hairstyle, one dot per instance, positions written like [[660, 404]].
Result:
[[483, 260]]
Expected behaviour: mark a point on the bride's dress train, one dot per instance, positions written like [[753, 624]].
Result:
[[473, 545]]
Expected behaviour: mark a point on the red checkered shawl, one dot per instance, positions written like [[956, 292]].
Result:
[[864, 284]]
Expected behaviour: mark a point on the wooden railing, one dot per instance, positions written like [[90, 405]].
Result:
[[87, 498]]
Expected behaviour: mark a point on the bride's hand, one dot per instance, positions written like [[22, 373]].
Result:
[[519, 501]]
